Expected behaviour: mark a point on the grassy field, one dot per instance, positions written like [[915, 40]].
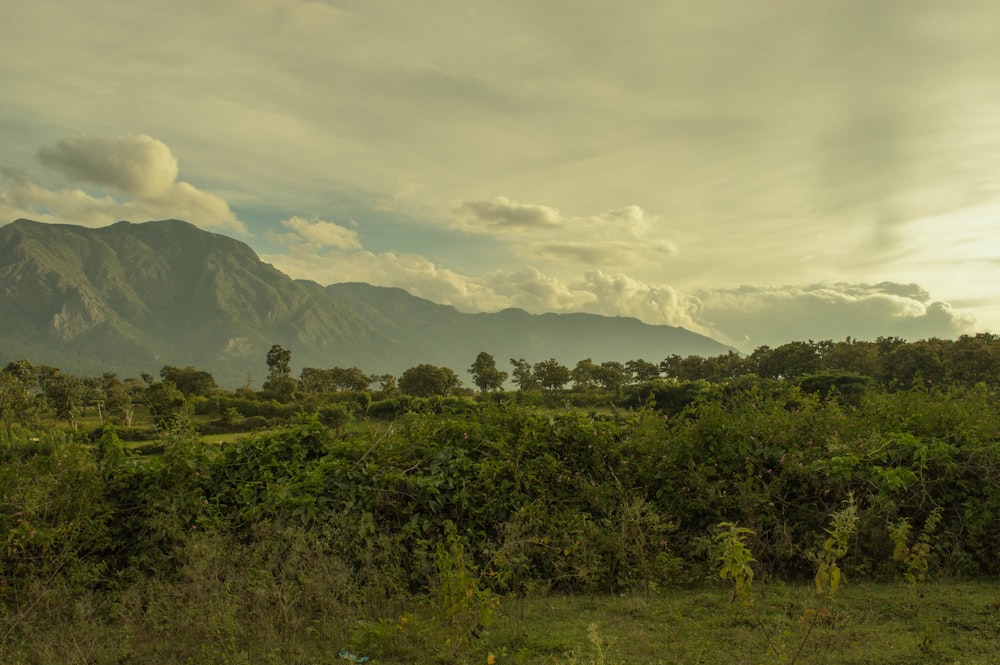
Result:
[[872, 624], [867, 623]]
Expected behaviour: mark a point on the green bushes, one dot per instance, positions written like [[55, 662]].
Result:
[[536, 500]]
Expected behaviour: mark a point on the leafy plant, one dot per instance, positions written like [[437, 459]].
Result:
[[736, 564], [915, 557]]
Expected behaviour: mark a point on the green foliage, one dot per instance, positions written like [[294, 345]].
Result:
[[65, 395], [19, 404], [428, 380], [914, 557], [462, 610], [453, 494], [843, 526], [485, 374], [735, 559], [189, 380], [736, 564], [551, 374]]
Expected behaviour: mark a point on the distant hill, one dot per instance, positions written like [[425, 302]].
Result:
[[130, 298]]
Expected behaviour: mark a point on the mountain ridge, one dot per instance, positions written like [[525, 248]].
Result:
[[132, 297]]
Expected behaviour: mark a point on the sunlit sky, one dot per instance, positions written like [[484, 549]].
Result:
[[759, 172]]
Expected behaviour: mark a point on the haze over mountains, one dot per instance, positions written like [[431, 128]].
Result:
[[131, 298]]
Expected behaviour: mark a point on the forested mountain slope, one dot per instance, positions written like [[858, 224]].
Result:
[[131, 298]]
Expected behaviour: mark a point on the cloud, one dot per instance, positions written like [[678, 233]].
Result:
[[632, 219], [139, 167], [613, 238], [323, 233], [503, 213], [598, 253], [751, 316]]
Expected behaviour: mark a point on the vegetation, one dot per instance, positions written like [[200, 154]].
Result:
[[854, 516]]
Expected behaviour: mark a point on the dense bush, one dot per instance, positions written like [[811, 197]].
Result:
[[541, 498]]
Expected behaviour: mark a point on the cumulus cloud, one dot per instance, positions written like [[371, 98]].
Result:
[[417, 274], [139, 167], [751, 316], [322, 233], [534, 291], [503, 213], [745, 317]]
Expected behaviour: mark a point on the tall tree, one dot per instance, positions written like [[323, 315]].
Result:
[[584, 375], [65, 394], [279, 362], [117, 400], [485, 374], [523, 377], [18, 402], [279, 372]]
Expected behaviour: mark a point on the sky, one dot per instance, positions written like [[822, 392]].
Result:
[[759, 172]]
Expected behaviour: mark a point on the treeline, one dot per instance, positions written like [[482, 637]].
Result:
[[847, 367]]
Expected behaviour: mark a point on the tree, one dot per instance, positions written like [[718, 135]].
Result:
[[117, 400], [611, 375], [485, 374], [642, 371], [18, 402], [329, 380], [349, 378], [164, 400], [584, 375], [279, 362], [852, 355], [523, 377], [65, 394], [427, 380], [279, 372], [313, 380], [551, 375], [386, 383], [189, 380], [724, 367], [969, 360], [915, 364]]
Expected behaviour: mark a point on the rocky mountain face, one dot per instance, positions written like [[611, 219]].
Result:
[[130, 298]]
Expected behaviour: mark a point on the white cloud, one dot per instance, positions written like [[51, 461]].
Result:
[[323, 233], [614, 238], [752, 316], [139, 167], [632, 219], [746, 317]]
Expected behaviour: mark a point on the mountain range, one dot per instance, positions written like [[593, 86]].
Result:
[[130, 298]]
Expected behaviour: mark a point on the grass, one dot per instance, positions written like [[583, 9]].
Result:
[[199, 620], [876, 624]]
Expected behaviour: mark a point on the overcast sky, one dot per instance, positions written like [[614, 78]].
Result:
[[756, 171]]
